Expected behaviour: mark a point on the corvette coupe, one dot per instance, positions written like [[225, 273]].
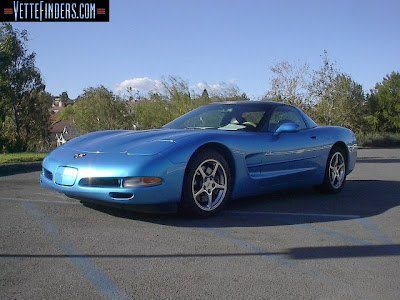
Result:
[[201, 160]]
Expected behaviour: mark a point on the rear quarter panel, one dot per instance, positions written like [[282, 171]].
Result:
[[336, 135]]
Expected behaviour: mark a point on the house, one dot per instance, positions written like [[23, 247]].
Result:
[[64, 130], [59, 104]]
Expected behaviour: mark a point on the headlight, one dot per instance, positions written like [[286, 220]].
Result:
[[141, 181]]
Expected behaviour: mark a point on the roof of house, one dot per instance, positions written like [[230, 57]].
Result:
[[58, 127]]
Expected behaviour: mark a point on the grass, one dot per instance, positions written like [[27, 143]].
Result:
[[10, 158], [385, 140]]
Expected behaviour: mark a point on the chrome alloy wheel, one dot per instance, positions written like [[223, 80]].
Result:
[[337, 170], [209, 185]]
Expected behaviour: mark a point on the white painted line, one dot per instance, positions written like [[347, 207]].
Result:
[[41, 201], [53, 195], [291, 214]]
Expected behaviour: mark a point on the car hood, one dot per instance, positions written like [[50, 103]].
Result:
[[146, 142]]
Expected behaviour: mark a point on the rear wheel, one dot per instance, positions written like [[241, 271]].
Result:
[[207, 184], [335, 173]]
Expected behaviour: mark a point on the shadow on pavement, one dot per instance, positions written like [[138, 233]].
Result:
[[13, 169], [305, 253], [358, 199], [377, 160]]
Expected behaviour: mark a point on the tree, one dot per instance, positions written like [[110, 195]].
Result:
[[178, 93], [153, 113], [67, 113], [227, 92], [384, 104], [64, 97], [337, 98], [205, 95], [99, 109], [21, 86], [345, 106], [321, 90], [289, 83]]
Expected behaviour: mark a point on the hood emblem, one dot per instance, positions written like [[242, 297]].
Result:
[[79, 155]]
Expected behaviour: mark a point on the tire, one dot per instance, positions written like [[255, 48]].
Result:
[[206, 186], [335, 172]]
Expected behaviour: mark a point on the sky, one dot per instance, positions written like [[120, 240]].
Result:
[[211, 42]]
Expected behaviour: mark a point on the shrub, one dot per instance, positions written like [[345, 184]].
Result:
[[378, 139]]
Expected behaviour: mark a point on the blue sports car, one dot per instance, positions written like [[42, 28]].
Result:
[[201, 160]]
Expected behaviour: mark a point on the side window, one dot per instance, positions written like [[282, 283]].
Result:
[[285, 114]]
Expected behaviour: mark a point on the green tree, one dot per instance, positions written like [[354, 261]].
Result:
[[36, 121], [337, 99], [64, 97], [177, 91], [345, 104], [228, 92], [21, 86], [321, 91], [384, 104], [153, 113], [99, 109], [160, 109], [67, 113], [205, 95]]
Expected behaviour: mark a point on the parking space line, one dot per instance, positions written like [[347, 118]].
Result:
[[284, 217], [379, 235], [280, 258], [39, 201], [292, 214], [331, 233], [97, 278]]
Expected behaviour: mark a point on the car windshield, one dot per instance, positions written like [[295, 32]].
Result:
[[231, 117]]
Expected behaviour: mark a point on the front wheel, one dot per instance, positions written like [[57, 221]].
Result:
[[207, 184], [335, 173]]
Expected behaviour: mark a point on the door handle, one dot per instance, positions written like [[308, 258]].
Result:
[[313, 137]]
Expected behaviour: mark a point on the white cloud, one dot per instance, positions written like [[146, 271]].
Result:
[[142, 85], [233, 81], [214, 88]]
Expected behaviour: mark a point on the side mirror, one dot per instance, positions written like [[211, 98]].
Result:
[[287, 127]]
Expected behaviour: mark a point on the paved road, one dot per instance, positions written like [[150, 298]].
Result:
[[294, 245]]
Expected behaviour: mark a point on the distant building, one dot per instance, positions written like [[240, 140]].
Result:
[[64, 130], [59, 104]]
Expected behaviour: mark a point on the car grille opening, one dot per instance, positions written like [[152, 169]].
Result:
[[121, 195], [100, 182], [47, 174]]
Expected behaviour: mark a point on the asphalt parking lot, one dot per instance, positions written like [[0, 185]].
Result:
[[293, 245]]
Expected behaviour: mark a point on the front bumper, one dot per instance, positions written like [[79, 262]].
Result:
[[67, 177]]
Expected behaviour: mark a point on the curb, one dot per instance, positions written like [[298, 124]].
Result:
[[10, 169]]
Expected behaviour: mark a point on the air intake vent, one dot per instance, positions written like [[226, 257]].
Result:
[[100, 182], [121, 196]]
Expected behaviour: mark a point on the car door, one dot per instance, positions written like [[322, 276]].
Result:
[[292, 154]]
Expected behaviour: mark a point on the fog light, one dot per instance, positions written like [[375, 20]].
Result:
[[141, 181]]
